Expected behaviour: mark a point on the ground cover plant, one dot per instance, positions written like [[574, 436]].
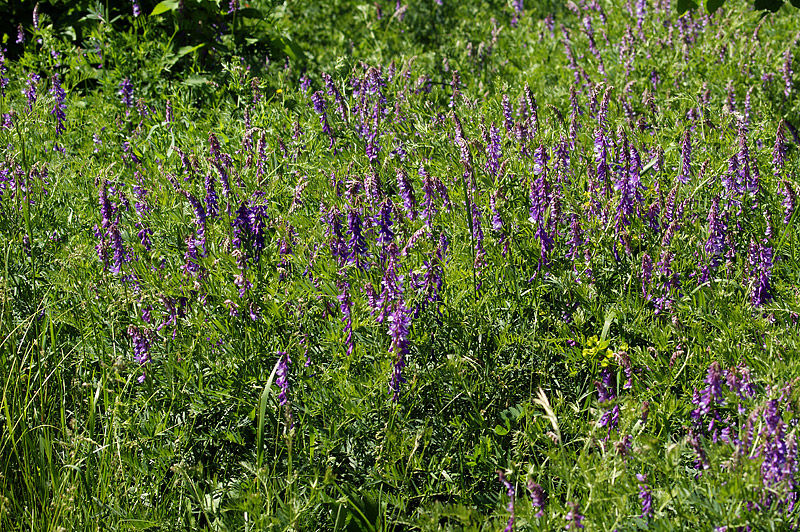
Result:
[[413, 266]]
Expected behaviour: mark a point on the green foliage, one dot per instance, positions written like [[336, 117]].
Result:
[[563, 367]]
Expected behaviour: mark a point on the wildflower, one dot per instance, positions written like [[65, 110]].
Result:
[[346, 306], [406, 191], [126, 94], [715, 245], [573, 517], [399, 323], [30, 89], [58, 104], [511, 494], [36, 16], [537, 497], [320, 106], [760, 272], [788, 73], [788, 201], [455, 85], [357, 245], [20, 34], [137, 9], [645, 496], [282, 376], [686, 158], [508, 121], [141, 348]]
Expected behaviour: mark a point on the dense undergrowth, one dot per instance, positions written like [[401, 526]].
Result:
[[344, 265]]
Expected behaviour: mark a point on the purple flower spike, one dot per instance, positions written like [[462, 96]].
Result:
[[686, 158], [537, 497], [399, 324], [511, 492], [573, 517], [282, 376], [645, 496], [58, 104], [126, 94]]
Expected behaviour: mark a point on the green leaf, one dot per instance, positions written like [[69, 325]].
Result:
[[768, 5], [713, 5], [795, 3], [686, 5], [500, 430], [163, 7], [183, 50]]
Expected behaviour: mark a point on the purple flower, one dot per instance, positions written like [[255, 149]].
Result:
[[320, 106], [58, 104], [573, 517], [30, 89], [647, 273], [508, 121], [385, 233], [645, 496], [788, 73], [346, 306], [20, 34], [760, 271], [788, 201], [36, 16], [511, 492], [399, 323], [494, 151], [282, 376], [428, 189], [537, 497], [715, 245], [686, 158], [357, 245], [141, 347], [455, 85], [137, 10], [126, 94], [406, 191]]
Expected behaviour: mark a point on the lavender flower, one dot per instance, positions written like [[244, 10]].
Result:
[[511, 492], [385, 233], [508, 121], [58, 104], [645, 496], [788, 201], [141, 348], [36, 16], [760, 272], [573, 517], [30, 89], [537, 497], [126, 94], [137, 9], [788, 73], [282, 376], [494, 151], [320, 106], [406, 191], [346, 306], [715, 245], [357, 245], [399, 323], [686, 158], [20, 34], [455, 85]]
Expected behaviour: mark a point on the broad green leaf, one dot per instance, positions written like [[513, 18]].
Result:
[[713, 5], [183, 50], [686, 5], [163, 7]]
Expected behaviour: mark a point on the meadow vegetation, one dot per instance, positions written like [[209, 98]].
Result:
[[425, 265]]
